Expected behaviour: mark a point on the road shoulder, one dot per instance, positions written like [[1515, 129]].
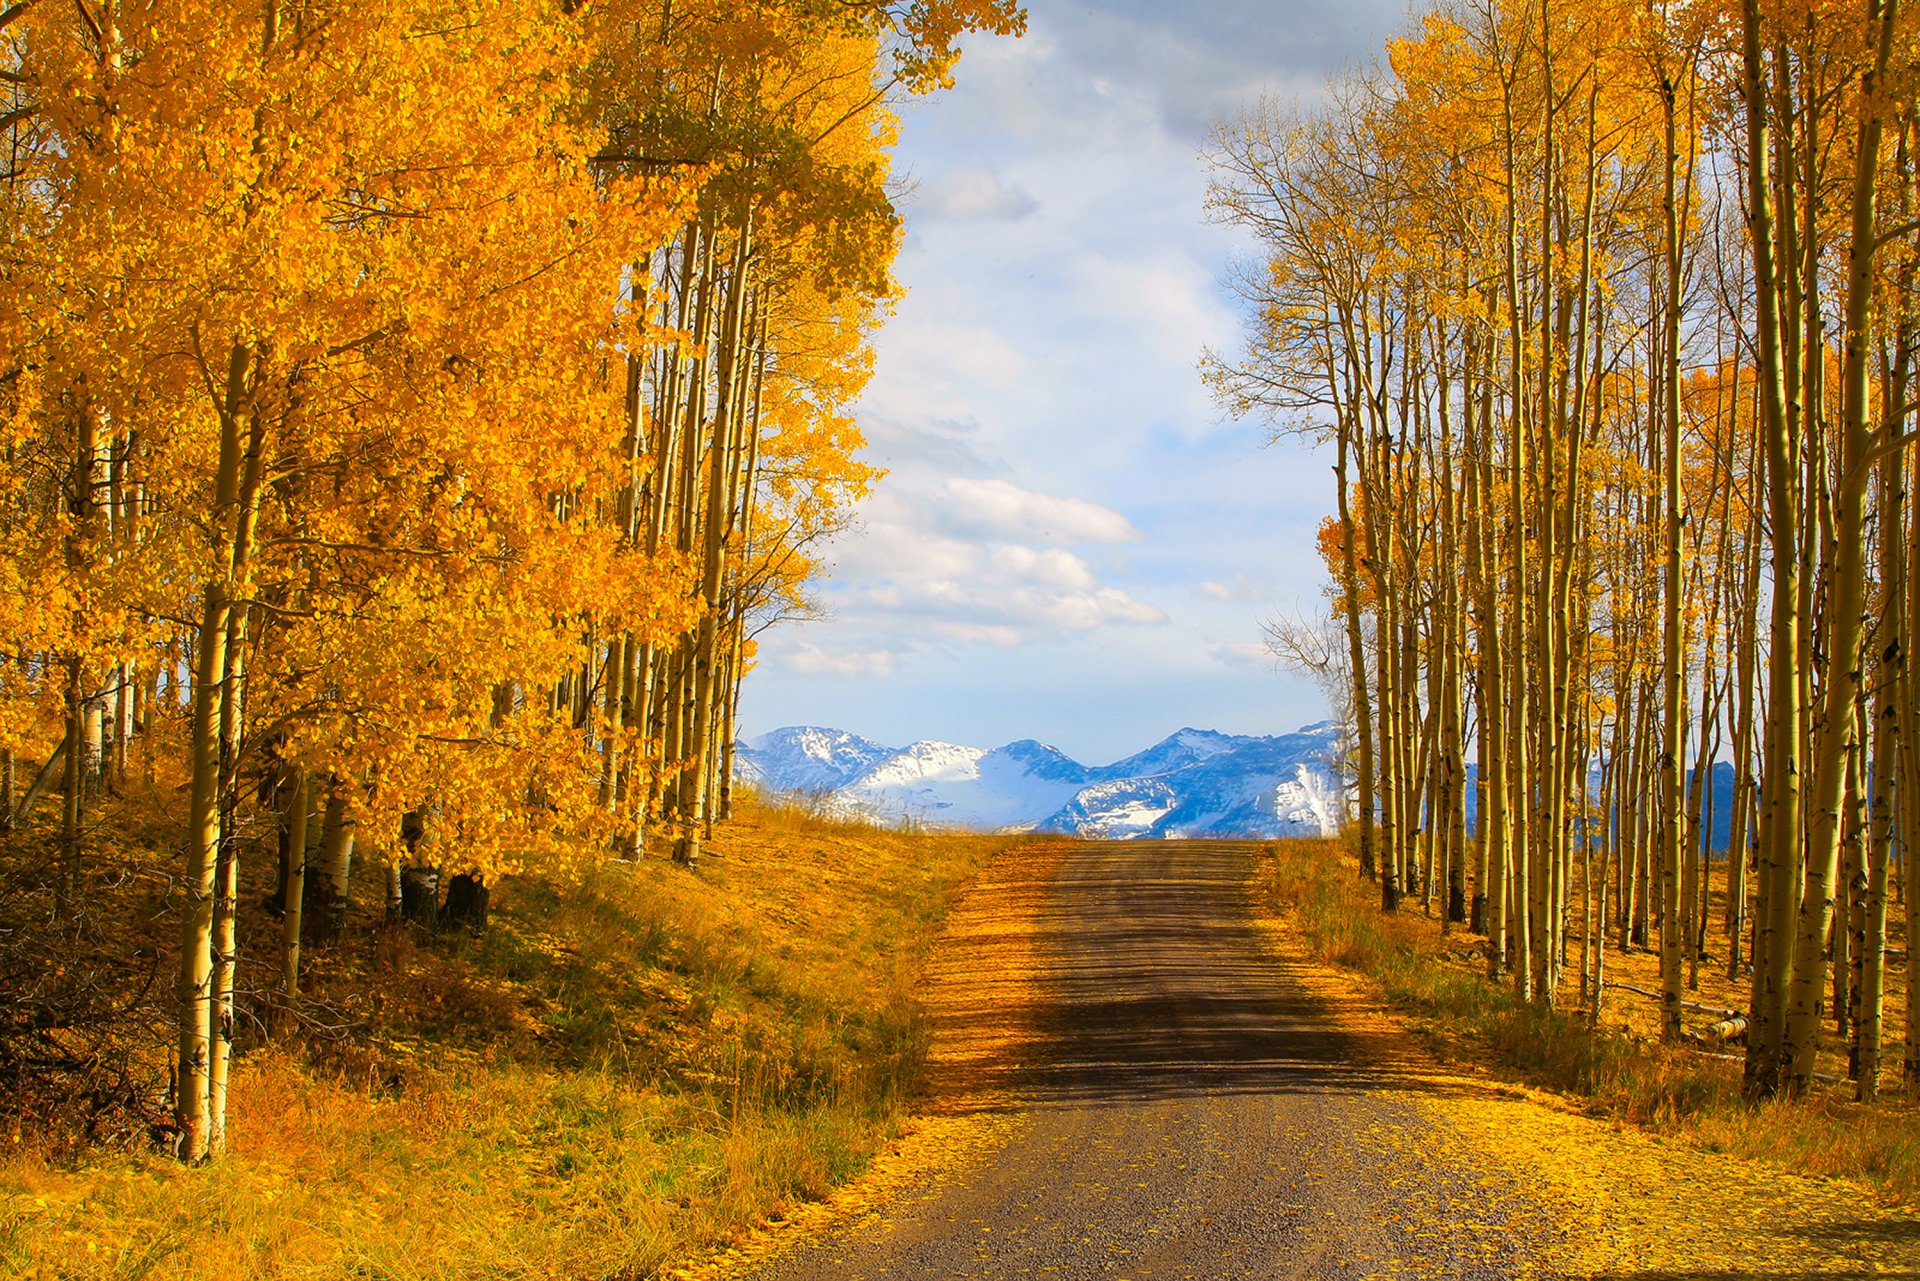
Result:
[[982, 1004], [1629, 1203]]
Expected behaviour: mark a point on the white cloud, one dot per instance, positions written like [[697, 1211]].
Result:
[[1243, 589], [944, 447], [906, 583], [1241, 654], [946, 361], [997, 634], [975, 195], [811, 660], [1054, 567], [1082, 611], [1003, 508], [1164, 296]]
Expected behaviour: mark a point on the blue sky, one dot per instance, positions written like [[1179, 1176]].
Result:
[[1072, 544]]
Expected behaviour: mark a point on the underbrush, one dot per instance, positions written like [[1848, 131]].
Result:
[[1614, 1072], [614, 1075]]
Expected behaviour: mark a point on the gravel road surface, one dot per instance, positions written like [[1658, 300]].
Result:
[[1185, 1109]]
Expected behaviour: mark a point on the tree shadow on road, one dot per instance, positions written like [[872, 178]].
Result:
[[1150, 982]]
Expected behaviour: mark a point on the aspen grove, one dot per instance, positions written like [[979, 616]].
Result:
[[412, 411], [1608, 313]]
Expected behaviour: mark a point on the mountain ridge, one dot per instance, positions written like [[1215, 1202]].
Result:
[[1193, 782]]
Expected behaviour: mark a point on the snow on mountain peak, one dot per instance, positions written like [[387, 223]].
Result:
[[1194, 782], [928, 760], [808, 758]]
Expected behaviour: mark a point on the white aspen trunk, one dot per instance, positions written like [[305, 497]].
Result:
[[1892, 642], [226, 883], [704, 665], [1673, 719], [210, 692], [1780, 823], [1493, 821], [1834, 741], [1356, 645], [1741, 827], [203, 842], [330, 873], [292, 908]]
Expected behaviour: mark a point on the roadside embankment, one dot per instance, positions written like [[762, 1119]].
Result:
[[615, 1074]]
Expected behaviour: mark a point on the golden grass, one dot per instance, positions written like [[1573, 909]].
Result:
[[1616, 1069], [616, 1075], [983, 1001]]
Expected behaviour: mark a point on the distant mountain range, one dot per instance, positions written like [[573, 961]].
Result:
[[1194, 782]]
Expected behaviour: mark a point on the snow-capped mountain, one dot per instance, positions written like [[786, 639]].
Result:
[[1177, 750], [803, 758], [1012, 786], [1192, 783]]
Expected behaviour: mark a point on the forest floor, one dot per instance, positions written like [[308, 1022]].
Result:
[[615, 1073], [1144, 1068]]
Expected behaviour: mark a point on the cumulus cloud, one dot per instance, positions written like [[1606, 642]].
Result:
[[966, 563], [940, 446], [997, 634], [1054, 566], [1242, 588], [946, 358], [1083, 611], [1168, 298], [1000, 507], [811, 660], [1034, 607], [1241, 654], [975, 195]]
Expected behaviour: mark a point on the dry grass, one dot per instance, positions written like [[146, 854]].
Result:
[[617, 1074], [1617, 1068]]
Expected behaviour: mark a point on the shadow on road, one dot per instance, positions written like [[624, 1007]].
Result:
[[1155, 984]]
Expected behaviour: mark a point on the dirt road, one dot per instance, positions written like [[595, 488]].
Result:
[[1187, 1109], [1136, 1078]]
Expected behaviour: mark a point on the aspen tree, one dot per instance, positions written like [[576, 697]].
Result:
[[1835, 740], [1673, 676], [1780, 816]]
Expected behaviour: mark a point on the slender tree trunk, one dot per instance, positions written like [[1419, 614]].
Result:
[[1780, 820], [1834, 741], [1356, 649], [235, 488], [293, 905]]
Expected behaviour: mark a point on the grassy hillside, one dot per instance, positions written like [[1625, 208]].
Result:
[[614, 1073]]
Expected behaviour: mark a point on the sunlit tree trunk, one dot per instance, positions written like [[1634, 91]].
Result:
[[1780, 816], [211, 690], [1834, 740], [292, 909], [722, 461], [1351, 616], [1673, 667]]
